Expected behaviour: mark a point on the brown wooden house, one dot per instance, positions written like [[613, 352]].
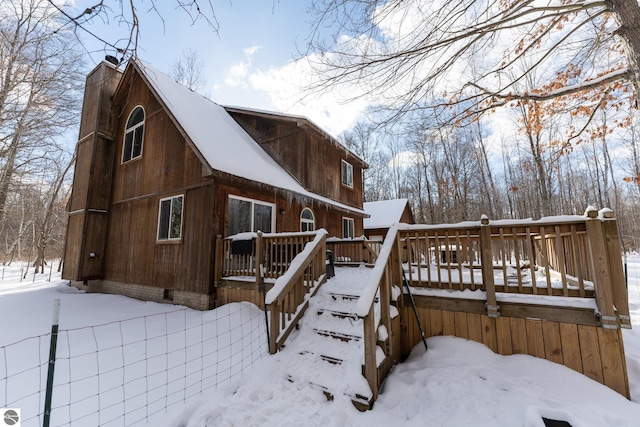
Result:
[[163, 172]]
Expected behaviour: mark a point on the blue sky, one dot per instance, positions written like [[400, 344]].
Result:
[[249, 61]]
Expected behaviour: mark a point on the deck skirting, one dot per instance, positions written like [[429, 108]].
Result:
[[571, 337]]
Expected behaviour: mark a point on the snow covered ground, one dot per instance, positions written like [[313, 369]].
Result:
[[456, 383]]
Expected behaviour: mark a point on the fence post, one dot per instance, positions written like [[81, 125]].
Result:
[[601, 273], [486, 259], [52, 363], [614, 253]]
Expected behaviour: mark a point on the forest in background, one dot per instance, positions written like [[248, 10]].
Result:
[[458, 173], [555, 143]]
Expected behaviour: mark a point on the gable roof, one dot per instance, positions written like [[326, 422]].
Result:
[[300, 121], [218, 139], [384, 213]]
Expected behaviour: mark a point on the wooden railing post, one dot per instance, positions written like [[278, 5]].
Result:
[[274, 309], [614, 253], [601, 274], [259, 255], [486, 259], [370, 360], [219, 260]]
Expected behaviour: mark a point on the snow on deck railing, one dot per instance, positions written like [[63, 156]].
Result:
[[296, 264], [239, 254], [368, 296], [557, 256]]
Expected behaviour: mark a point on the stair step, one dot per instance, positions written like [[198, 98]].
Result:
[[338, 335], [332, 360], [337, 296], [340, 314], [351, 297], [362, 403]]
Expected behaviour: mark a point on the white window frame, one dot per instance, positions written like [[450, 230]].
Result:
[[253, 202], [132, 129], [353, 227], [347, 178], [307, 221], [169, 238]]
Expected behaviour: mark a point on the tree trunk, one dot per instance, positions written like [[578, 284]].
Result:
[[627, 13]]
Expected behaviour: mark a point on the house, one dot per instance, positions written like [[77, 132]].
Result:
[[383, 214], [162, 173]]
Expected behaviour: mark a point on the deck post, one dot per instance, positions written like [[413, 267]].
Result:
[[218, 260], [259, 255], [274, 309], [614, 253], [601, 274], [486, 259], [370, 360]]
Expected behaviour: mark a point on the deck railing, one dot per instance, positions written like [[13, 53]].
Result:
[[242, 253], [553, 258], [289, 297], [375, 310], [295, 260], [572, 256], [354, 251]]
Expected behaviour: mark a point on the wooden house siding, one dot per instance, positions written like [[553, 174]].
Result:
[[298, 148], [167, 167]]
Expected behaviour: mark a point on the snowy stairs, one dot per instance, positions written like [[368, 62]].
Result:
[[327, 350]]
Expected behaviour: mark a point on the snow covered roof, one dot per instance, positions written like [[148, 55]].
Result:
[[384, 213], [220, 141]]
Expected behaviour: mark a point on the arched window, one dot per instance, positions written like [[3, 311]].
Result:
[[307, 221], [133, 135]]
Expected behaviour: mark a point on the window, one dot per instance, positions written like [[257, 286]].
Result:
[[347, 174], [307, 221], [170, 218], [133, 135], [250, 215], [348, 228]]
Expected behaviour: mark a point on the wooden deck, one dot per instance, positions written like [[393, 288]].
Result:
[[552, 288]]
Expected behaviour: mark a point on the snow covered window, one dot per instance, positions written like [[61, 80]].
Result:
[[170, 218], [133, 135], [347, 174], [348, 228], [307, 221], [250, 215]]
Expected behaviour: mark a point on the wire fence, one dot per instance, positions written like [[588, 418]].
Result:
[[131, 372], [134, 371]]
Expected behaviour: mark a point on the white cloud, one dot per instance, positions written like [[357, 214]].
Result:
[[237, 73]]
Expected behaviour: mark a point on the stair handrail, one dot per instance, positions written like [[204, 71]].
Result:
[[283, 290], [380, 279]]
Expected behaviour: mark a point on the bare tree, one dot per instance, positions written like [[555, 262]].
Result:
[[40, 81], [417, 53], [188, 70], [40, 90], [127, 14], [53, 212]]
